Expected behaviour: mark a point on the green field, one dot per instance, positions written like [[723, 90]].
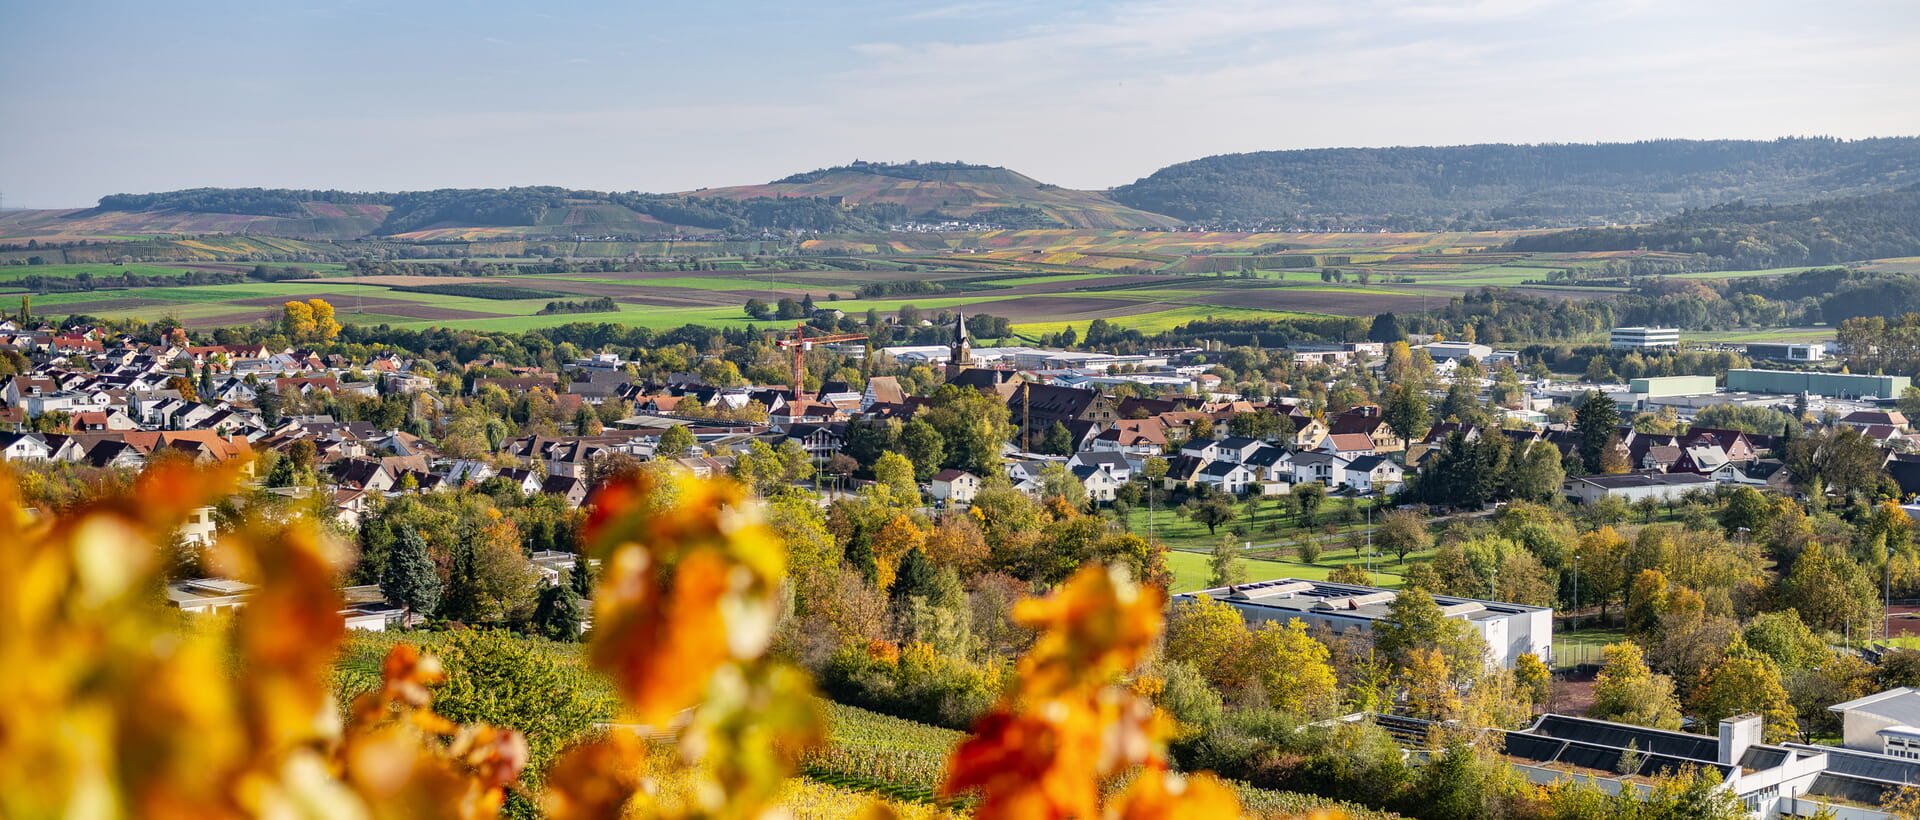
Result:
[[1068, 278]]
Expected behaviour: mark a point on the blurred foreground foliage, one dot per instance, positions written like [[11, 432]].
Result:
[[132, 710]]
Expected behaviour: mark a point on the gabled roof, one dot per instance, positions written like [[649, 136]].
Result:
[[1367, 464], [950, 474], [1221, 469], [1184, 468], [1267, 456], [1350, 442]]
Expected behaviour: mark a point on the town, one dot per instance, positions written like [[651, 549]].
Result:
[[950, 475]]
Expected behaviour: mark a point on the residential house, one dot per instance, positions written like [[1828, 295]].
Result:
[[820, 441], [1099, 484], [1366, 420], [1113, 464], [364, 474], [1273, 468], [1183, 471], [24, 447], [1227, 477], [1863, 419], [1134, 437], [1375, 474], [1235, 448], [528, 481], [1320, 467], [570, 489], [954, 486], [1205, 449], [1348, 445], [882, 390]]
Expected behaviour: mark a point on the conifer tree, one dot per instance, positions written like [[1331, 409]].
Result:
[[409, 577]]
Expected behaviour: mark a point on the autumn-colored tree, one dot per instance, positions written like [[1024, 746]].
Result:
[[894, 540], [1599, 555], [1211, 636], [325, 327], [1830, 592], [1741, 684], [1350, 574], [296, 321], [1532, 678], [894, 472], [1431, 693], [1224, 565], [956, 541], [1646, 601], [1628, 692], [1292, 668]]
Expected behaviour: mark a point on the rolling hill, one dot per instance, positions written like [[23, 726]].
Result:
[[1739, 235], [858, 198], [1476, 187], [952, 190]]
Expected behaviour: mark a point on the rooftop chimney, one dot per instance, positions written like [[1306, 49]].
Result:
[[1737, 733]]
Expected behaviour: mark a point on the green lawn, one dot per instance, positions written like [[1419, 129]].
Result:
[[1164, 320], [1191, 570], [1574, 647]]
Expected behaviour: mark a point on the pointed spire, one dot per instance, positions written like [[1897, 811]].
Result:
[[959, 327]]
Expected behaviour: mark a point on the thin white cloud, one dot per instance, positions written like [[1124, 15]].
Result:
[[1474, 11]]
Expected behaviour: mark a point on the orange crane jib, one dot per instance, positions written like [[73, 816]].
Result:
[[799, 343]]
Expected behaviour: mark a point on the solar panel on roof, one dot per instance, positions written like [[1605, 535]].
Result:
[[1533, 747], [1843, 787], [1877, 767], [1651, 741]]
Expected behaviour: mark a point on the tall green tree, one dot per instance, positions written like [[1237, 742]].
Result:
[[924, 446], [557, 615], [1415, 621], [1405, 412], [1596, 420], [410, 579], [1224, 565], [675, 441]]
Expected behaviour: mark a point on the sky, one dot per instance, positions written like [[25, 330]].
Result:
[[110, 97]]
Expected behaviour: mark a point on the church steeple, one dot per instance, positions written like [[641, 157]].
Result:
[[960, 354]]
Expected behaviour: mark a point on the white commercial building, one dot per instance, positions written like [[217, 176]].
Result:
[[1510, 630], [1646, 337]]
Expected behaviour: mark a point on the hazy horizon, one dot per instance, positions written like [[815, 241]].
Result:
[[108, 98]]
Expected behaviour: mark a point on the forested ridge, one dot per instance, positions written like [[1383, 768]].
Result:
[[1739, 235], [525, 206], [1516, 186]]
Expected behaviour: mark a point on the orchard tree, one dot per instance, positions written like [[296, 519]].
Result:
[[1403, 532]]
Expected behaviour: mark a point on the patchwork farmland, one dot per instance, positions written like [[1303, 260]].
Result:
[[1043, 280]]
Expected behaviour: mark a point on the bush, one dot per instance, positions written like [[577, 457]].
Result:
[[916, 683]]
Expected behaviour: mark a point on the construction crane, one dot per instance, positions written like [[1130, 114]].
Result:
[[800, 343]]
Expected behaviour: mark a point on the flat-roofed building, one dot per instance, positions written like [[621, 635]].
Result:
[[1631, 487], [1643, 338], [1510, 630], [1830, 385], [1787, 352], [1659, 386]]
